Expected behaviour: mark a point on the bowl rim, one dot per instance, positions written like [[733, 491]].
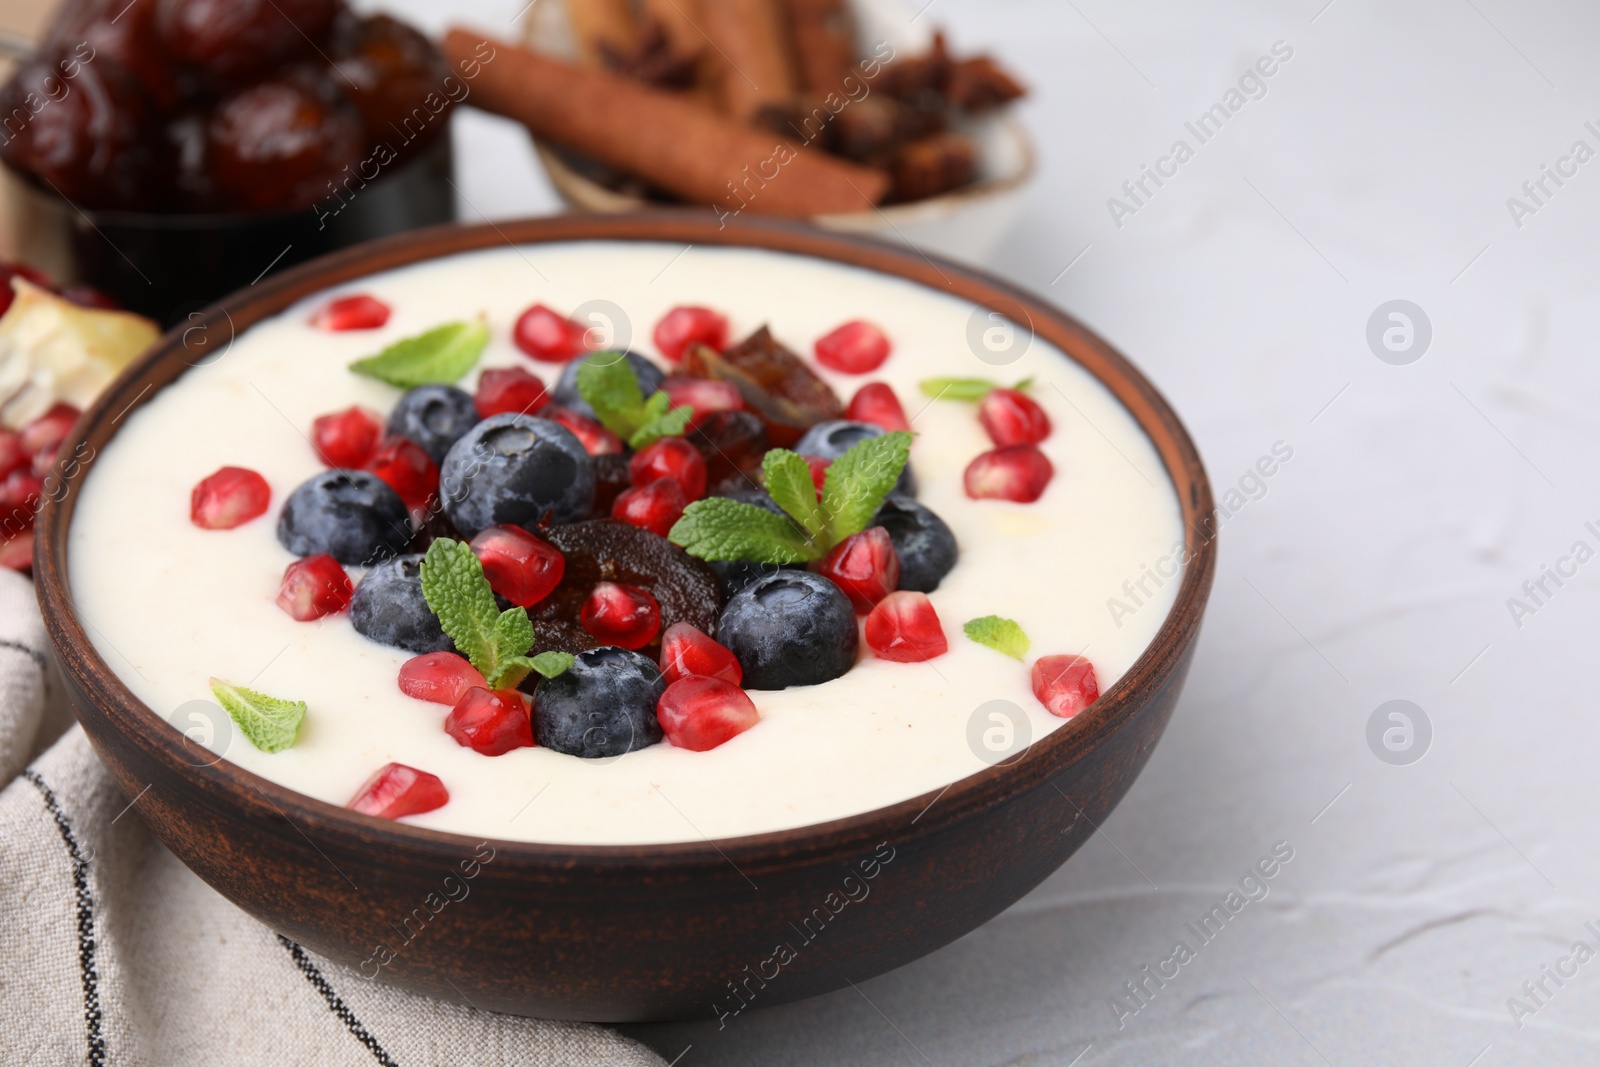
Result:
[[928, 813]]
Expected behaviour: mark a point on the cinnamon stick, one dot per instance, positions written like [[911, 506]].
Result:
[[663, 138], [824, 43], [750, 37]]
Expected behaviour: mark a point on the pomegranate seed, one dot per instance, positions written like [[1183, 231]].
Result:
[[655, 507], [685, 326], [703, 396], [1018, 473], [358, 312], [396, 790], [596, 439], [854, 348], [671, 457], [819, 471], [439, 677], [505, 389], [548, 336], [623, 615], [12, 455], [1011, 418], [905, 628], [865, 566], [520, 567], [44, 435], [1065, 685], [21, 497], [231, 497], [16, 553], [701, 713], [490, 722], [688, 653], [407, 469], [314, 587], [348, 438], [876, 403]]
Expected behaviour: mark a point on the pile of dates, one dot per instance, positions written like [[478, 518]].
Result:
[[220, 105]]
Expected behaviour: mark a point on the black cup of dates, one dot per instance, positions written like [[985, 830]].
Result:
[[171, 152]]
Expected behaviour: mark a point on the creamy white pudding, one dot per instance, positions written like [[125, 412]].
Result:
[[169, 605]]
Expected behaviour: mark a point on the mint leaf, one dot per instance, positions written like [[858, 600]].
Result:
[[550, 664], [858, 481], [608, 384], [1002, 635], [719, 528], [969, 389], [270, 724], [789, 483], [459, 594], [443, 354], [667, 424]]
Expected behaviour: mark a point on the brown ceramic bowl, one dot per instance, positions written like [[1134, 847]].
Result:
[[614, 933]]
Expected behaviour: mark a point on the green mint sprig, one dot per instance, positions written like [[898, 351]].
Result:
[[497, 642], [1002, 635], [971, 390], [721, 529], [270, 724], [443, 354], [607, 383]]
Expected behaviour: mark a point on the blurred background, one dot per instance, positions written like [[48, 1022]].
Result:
[[1379, 258]]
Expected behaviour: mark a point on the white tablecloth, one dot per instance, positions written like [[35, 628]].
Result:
[[1375, 565]]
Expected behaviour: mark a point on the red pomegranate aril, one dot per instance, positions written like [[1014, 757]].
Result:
[[520, 567], [670, 457], [1019, 473], [699, 713], [407, 469], [12, 455], [357, 312], [503, 389], [622, 615], [490, 722], [439, 677], [230, 497], [1065, 685], [854, 348], [865, 566], [16, 553], [596, 439], [21, 497], [45, 434], [655, 507], [819, 471], [876, 403], [1011, 418], [347, 439], [905, 628], [703, 396], [314, 587], [396, 790], [685, 326], [548, 336], [686, 652]]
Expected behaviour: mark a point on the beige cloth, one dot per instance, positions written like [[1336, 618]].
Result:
[[112, 952]]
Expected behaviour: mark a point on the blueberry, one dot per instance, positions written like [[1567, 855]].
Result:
[[389, 608], [434, 416], [603, 705], [830, 440], [351, 515], [789, 628], [565, 392], [512, 468], [925, 545]]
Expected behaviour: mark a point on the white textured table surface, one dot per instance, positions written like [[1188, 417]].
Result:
[[1374, 565]]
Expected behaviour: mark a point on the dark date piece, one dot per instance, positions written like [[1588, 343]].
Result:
[[231, 42], [278, 145]]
